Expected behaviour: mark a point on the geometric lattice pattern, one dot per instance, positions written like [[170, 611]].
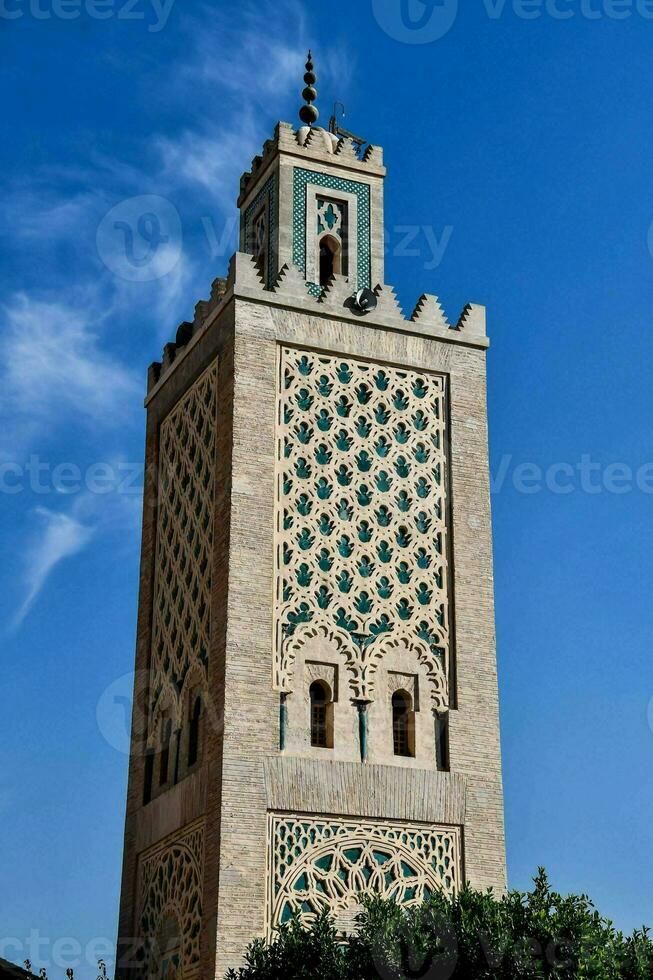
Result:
[[303, 177], [182, 587], [267, 194], [320, 862], [361, 512], [170, 885]]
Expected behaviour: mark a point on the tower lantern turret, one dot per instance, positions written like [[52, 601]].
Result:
[[313, 200]]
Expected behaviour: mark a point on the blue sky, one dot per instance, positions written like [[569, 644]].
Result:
[[519, 143]]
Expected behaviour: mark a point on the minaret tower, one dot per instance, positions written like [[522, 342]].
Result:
[[316, 671]]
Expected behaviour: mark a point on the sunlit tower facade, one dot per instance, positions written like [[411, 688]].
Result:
[[317, 710]]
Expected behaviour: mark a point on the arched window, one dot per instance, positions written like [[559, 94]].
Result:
[[321, 716], [164, 760], [194, 731], [403, 724], [260, 235], [148, 776], [442, 743], [330, 258]]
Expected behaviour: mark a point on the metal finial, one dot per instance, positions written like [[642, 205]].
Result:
[[309, 113]]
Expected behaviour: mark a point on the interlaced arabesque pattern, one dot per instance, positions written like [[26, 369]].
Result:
[[323, 863], [171, 884], [361, 512], [182, 590]]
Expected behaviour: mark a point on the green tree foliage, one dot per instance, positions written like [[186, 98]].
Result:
[[476, 935]]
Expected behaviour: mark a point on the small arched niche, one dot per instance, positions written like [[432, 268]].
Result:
[[330, 258], [321, 715], [403, 725]]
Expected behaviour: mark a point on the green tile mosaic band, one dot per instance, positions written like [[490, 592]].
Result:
[[301, 178]]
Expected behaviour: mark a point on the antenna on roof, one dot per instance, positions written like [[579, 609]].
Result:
[[337, 130]]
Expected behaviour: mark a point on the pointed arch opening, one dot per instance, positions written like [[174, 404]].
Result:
[[164, 755], [259, 244], [194, 729]]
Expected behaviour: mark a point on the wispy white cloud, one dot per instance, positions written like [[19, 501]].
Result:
[[231, 76], [242, 70], [212, 162], [256, 55], [53, 367], [61, 536], [45, 211], [172, 296], [257, 63], [167, 298]]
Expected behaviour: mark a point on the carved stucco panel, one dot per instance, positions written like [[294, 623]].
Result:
[[170, 888], [322, 862], [184, 545], [361, 516]]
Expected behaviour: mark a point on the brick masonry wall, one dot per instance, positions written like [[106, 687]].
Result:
[[199, 794]]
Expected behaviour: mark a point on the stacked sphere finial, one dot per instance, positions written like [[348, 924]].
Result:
[[309, 113]]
